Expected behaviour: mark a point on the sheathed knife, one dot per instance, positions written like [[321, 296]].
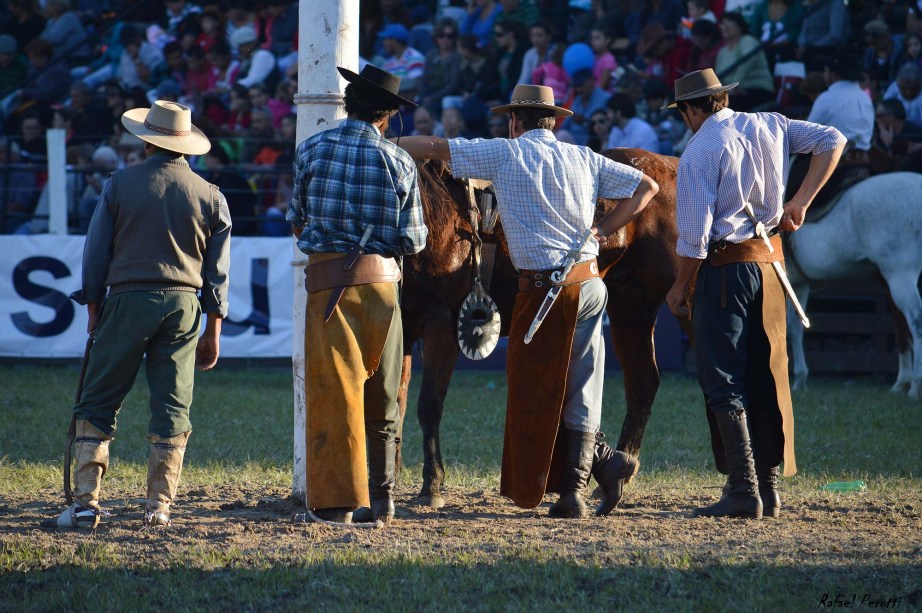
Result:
[[354, 252]]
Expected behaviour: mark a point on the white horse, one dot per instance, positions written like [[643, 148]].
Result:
[[875, 226]]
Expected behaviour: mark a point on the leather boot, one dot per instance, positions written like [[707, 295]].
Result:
[[741, 494], [382, 454], [768, 490], [335, 515], [611, 468], [163, 469], [578, 452], [91, 460]]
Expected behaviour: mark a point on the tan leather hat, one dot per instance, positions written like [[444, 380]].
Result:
[[533, 97], [697, 84], [167, 125]]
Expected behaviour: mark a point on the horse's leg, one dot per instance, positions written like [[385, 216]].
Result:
[[402, 394], [633, 316], [904, 290], [440, 352], [796, 338], [902, 337]]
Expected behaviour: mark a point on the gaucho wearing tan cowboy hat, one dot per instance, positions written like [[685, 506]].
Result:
[[547, 192], [155, 259]]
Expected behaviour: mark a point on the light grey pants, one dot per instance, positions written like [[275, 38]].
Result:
[[582, 405]]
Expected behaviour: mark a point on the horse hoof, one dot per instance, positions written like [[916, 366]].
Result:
[[900, 387], [435, 501]]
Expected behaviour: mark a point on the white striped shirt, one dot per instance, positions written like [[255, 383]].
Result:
[[546, 191], [847, 108], [736, 158]]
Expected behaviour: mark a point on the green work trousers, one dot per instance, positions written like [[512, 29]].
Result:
[[164, 325]]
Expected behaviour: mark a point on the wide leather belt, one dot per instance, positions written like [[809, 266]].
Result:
[[326, 270], [752, 250], [541, 279]]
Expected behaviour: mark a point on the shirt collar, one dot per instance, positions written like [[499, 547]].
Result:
[[539, 134], [360, 126], [719, 116]]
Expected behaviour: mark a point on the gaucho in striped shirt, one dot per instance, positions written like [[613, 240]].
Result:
[[738, 312]]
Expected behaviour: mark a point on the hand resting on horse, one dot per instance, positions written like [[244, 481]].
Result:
[[821, 168]]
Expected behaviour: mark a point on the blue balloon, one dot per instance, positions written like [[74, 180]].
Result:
[[577, 57]]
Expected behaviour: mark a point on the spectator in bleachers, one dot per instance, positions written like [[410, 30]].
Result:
[[420, 35], [175, 60], [697, 10], [912, 49], [134, 157], [706, 41], [261, 146], [442, 73], [776, 24], [825, 28], [46, 83], [508, 37], [199, 75], [239, 16], [224, 69], [256, 65], [523, 12], [104, 160], [13, 65], [599, 130], [76, 157], [424, 124], [882, 58], [27, 22], [756, 84], [665, 13], [279, 27], [663, 53], [401, 60], [94, 115], [600, 40], [177, 11], [238, 117], [67, 120], [896, 137], [628, 130], [23, 186], [241, 199], [497, 126], [907, 88], [64, 31], [277, 109], [668, 125], [540, 36], [552, 74], [588, 97], [142, 64], [453, 124], [214, 28], [481, 17]]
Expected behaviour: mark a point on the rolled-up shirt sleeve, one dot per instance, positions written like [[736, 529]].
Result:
[[217, 262], [97, 250], [412, 226], [809, 137], [479, 158]]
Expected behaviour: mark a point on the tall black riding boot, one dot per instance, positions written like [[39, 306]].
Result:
[[610, 468], [768, 490], [741, 494], [382, 451], [578, 452]]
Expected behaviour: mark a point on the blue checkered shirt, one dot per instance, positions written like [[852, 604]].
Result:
[[546, 191], [736, 158], [348, 177]]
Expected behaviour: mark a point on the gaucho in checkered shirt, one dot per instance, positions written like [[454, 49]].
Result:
[[547, 192], [738, 317], [355, 208]]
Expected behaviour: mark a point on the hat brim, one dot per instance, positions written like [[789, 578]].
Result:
[[358, 79], [195, 143], [699, 94], [559, 111]]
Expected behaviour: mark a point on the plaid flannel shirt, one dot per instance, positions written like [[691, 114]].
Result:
[[348, 177]]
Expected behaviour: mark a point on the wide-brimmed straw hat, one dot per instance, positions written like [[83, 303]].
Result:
[[533, 97], [380, 81], [167, 125], [697, 84]]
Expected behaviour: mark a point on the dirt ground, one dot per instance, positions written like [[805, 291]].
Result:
[[836, 530]]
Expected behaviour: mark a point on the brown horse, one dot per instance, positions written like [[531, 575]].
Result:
[[639, 266]]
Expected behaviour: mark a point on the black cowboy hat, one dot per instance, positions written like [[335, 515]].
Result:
[[380, 81]]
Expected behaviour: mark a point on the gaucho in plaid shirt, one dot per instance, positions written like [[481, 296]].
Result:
[[547, 193], [738, 317], [355, 209]]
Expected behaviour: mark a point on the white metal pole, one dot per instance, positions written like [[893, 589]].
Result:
[[57, 181], [328, 36]]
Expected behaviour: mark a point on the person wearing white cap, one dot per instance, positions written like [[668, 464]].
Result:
[[159, 237], [547, 192], [734, 165], [256, 64]]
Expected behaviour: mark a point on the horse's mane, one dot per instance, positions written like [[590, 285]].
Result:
[[440, 209]]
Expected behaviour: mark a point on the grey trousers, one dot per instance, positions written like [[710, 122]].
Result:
[[582, 408]]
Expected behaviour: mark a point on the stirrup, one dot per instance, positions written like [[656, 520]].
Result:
[[157, 519], [74, 517]]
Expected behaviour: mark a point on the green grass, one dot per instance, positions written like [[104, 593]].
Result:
[[242, 422]]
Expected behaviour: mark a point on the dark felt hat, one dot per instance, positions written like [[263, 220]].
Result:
[[697, 84], [378, 80]]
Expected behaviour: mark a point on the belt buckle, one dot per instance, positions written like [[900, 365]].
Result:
[[720, 246]]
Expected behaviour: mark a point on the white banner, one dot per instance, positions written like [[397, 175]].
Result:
[[38, 272]]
